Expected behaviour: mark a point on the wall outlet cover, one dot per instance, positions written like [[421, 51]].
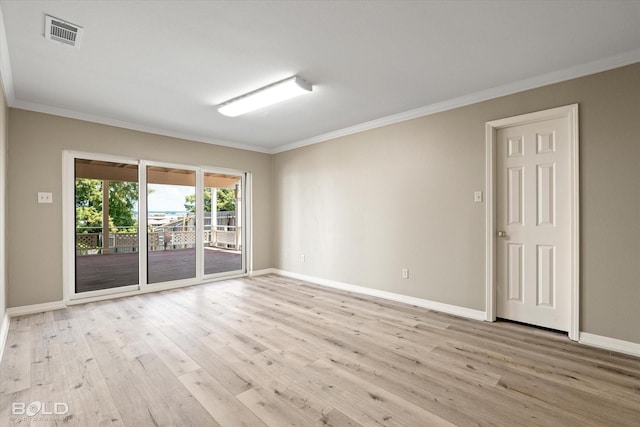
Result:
[[45, 197]]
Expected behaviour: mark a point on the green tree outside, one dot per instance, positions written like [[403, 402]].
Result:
[[226, 200], [122, 200]]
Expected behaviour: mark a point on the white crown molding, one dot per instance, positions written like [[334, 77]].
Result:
[[71, 114], [5, 64], [431, 305], [594, 67]]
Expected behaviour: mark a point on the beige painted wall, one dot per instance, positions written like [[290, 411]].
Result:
[[36, 142], [364, 206]]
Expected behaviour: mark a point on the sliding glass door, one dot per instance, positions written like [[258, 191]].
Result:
[[171, 228], [223, 214], [106, 225], [138, 224]]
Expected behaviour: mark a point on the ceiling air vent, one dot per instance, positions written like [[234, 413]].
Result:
[[62, 31]]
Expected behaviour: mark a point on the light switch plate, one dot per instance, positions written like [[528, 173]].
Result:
[[477, 196], [45, 197]]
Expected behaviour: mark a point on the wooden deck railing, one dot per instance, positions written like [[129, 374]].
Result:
[[223, 236]]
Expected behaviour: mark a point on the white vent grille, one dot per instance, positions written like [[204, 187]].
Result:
[[62, 31]]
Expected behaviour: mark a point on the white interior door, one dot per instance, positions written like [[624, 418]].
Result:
[[533, 223]]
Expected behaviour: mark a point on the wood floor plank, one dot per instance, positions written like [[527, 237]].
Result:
[[143, 389], [359, 406], [223, 406], [271, 410], [522, 358], [23, 323], [335, 418], [277, 351], [287, 398], [438, 398], [234, 382], [286, 391], [48, 375], [16, 362], [595, 408], [176, 360], [217, 330], [90, 398], [408, 412]]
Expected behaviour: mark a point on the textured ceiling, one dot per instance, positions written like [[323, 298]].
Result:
[[162, 66]]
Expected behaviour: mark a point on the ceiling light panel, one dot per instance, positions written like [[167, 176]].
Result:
[[265, 96]]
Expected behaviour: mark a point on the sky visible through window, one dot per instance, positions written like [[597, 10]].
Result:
[[168, 198]]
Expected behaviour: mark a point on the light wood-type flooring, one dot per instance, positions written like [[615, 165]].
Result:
[[279, 352]]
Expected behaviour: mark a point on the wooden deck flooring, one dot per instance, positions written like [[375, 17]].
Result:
[[271, 351], [94, 272]]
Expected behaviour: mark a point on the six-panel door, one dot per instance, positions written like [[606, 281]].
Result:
[[533, 208]]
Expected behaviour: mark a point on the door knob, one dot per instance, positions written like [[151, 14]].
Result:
[[502, 234]]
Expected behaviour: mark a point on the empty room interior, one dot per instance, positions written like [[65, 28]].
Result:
[[320, 213]]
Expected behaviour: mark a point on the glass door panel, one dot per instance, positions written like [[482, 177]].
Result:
[[171, 224], [222, 247], [106, 225]]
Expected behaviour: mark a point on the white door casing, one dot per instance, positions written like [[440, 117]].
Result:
[[532, 199]]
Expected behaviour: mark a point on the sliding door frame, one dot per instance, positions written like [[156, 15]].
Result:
[[144, 263], [69, 225], [245, 230], [70, 296]]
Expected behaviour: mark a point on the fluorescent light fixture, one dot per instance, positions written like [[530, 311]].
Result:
[[268, 95]]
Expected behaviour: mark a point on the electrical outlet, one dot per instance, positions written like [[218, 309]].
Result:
[[45, 197], [405, 273], [302, 258]]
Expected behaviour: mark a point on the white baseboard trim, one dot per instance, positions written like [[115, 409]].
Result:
[[4, 332], [35, 308], [262, 272], [612, 344], [431, 305]]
